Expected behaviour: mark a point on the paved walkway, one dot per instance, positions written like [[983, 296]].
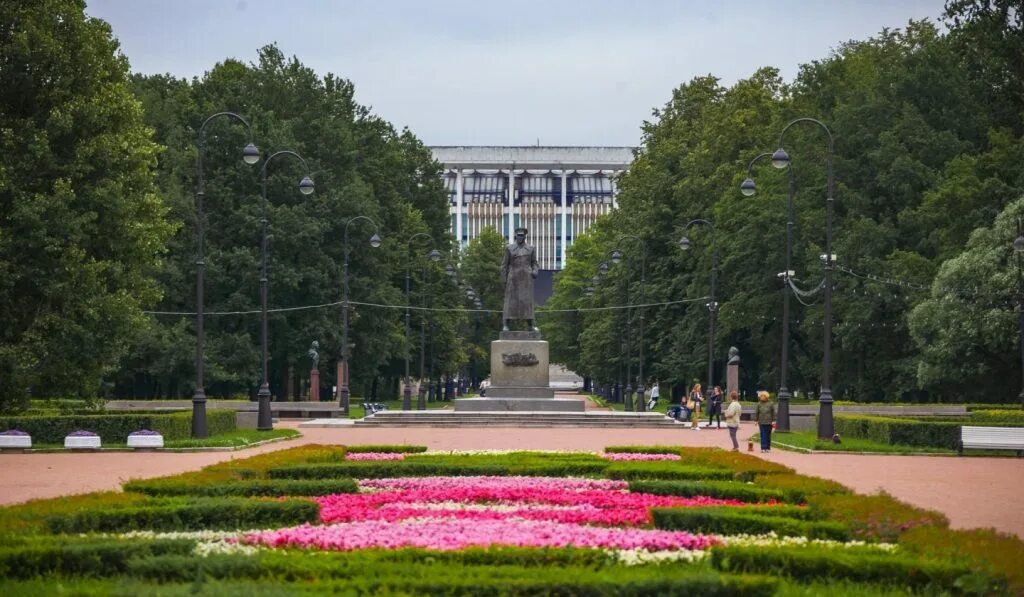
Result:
[[972, 492]]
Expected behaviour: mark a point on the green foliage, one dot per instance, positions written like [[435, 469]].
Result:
[[643, 450], [807, 564], [906, 432], [83, 557], [207, 513], [82, 225], [984, 549], [396, 448], [660, 469], [716, 489], [874, 517], [114, 428], [480, 269], [735, 521], [799, 487], [250, 488]]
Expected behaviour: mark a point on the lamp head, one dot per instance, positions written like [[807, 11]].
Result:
[[375, 240], [616, 256], [1018, 244], [780, 159], [684, 243], [450, 270], [250, 154], [603, 267], [595, 280], [306, 185], [748, 188], [435, 255]]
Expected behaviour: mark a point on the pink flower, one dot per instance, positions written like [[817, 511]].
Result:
[[374, 456]]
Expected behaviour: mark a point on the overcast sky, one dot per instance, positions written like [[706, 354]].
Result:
[[480, 72]]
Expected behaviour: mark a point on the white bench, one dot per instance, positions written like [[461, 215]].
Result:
[[992, 438]]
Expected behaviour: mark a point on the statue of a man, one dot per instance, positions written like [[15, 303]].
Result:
[[734, 356], [314, 354], [519, 268]]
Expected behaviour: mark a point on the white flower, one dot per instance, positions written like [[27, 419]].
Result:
[[637, 557]]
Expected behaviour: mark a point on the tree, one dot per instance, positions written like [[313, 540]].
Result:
[[480, 269], [81, 225]]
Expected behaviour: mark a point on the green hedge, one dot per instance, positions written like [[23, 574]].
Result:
[[664, 470], [422, 468], [395, 449], [1005, 418], [716, 489], [115, 427], [735, 521], [92, 557], [251, 488], [809, 564], [212, 513], [643, 449], [906, 432]]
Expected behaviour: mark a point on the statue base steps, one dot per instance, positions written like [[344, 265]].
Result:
[[501, 404]]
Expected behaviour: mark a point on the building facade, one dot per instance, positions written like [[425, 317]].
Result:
[[555, 192]]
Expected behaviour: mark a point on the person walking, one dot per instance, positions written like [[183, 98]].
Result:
[[715, 406], [655, 394], [765, 415], [732, 418], [695, 400]]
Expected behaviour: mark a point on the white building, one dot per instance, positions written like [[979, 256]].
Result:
[[557, 192]]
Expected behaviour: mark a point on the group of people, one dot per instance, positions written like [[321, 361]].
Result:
[[689, 409]]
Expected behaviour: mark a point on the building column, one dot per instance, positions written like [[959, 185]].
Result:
[[458, 207], [565, 215], [511, 202], [615, 191]]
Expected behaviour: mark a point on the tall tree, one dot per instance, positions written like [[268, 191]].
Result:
[[81, 225]]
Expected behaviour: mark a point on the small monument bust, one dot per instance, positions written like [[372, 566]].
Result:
[[314, 354], [519, 268], [734, 356]]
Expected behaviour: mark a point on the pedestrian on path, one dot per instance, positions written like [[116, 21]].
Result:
[[732, 418], [765, 415], [693, 404], [715, 406], [655, 394]]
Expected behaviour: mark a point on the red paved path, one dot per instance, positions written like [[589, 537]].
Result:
[[972, 492]]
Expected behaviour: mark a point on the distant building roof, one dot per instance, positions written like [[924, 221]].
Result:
[[527, 157]]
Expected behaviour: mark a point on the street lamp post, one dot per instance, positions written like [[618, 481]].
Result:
[[264, 421], [250, 155], [748, 188], [1018, 247], [641, 405], [684, 244], [434, 256], [780, 159], [343, 390]]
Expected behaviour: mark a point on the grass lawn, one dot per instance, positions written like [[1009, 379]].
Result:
[[356, 410], [808, 440], [234, 439]]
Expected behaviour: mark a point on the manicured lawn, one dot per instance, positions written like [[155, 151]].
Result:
[[356, 410], [808, 440]]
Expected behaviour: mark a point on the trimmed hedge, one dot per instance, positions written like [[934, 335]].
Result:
[[799, 487], [115, 427], [805, 564], [1004, 418], [906, 432], [252, 488], [664, 470], [91, 557], [985, 549], [213, 513], [715, 489], [424, 468], [393, 449], [878, 517], [736, 521], [643, 450]]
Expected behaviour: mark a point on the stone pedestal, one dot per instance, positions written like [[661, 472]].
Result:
[[519, 378], [314, 385], [732, 381]]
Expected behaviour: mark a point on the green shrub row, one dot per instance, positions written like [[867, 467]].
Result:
[[643, 450], [717, 489], [249, 488], [799, 487], [369, 575], [211, 513], [1008, 418], [396, 448], [809, 564], [906, 432], [879, 517], [91, 557], [736, 521], [664, 470], [115, 427]]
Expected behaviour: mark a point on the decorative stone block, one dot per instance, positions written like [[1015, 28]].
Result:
[[82, 440], [145, 439], [15, 440], [519, 364]]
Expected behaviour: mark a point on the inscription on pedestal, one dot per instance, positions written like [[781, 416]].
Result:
[[519, 359]]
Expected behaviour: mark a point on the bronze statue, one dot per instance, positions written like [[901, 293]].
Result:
[[314, 354], [519, 268]]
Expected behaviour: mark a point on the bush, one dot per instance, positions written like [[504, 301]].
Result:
[[31, 516], [212, 513], [715, 489], [115, 427], [382, 469], [392, 449], [737, 521], [808, 564], [875, 517], [664, 470], [643, 450], [905, 432], [746, 465], [1003, 418], [92, 557], [251, 488], [984, 549], [798, 488]]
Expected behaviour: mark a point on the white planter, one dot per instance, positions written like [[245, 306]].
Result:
[[82, 442], [145, 441], [15, 441]]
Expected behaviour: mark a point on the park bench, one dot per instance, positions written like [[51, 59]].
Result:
[[373, 407], [992, 438]]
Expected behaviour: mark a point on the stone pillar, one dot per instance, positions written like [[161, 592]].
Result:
[[511, 231], [458, 206], [314, 385], [732, 380]]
